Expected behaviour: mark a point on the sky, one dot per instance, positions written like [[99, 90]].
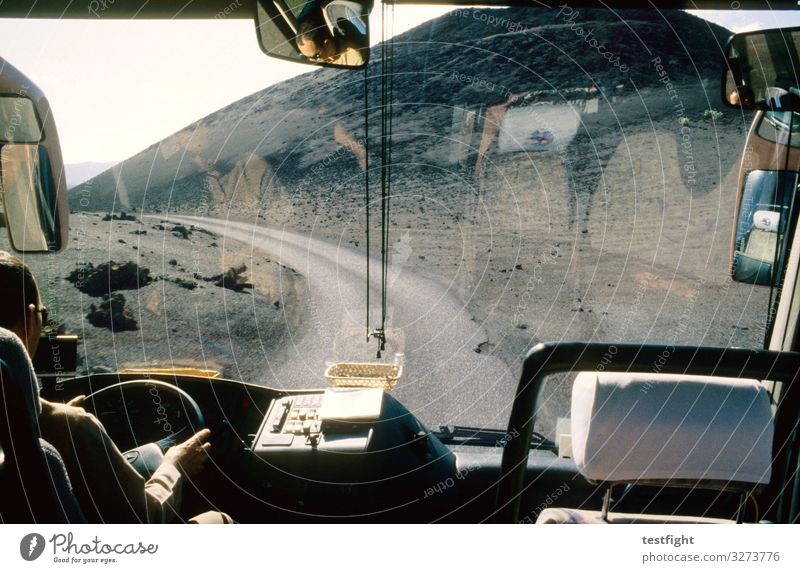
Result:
[[116, 87]]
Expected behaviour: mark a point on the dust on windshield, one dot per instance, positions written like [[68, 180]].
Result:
[[556, 174]]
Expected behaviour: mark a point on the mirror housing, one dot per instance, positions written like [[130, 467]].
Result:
[[33, 186], [769, 178], [762, 70], [329, 33]]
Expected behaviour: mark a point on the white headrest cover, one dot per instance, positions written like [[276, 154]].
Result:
[[657, 427], [766, 220]]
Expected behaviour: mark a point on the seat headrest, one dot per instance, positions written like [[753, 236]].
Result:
[[659, 428]]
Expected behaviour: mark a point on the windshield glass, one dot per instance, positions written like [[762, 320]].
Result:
[[555, 174]]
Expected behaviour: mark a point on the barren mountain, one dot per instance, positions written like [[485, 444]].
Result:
[[305, 136]]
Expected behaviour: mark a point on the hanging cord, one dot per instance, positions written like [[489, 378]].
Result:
[[366, 179], [384, 167], [381, 333], [389, 103], [386, 96]]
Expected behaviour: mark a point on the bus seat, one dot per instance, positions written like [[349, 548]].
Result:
[[671, 431], [34, 487]]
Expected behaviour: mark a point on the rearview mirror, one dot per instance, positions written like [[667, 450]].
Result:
[[33, 189], [331, 33], [762, 70]]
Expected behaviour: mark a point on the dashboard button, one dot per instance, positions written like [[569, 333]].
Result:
[[277, 440]]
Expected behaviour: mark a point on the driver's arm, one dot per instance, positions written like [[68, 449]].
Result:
[[109, 489]]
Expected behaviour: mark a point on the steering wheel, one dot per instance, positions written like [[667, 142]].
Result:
[[145, 418]]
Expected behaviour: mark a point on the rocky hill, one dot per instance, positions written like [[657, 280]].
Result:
[[304, 137]]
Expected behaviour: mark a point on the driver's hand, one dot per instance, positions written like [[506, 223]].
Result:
[[190, 455]]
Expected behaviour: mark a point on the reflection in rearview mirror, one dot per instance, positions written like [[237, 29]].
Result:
[[762, 70], [332, 33], [18, 120], [761, 225], [26, 192], [759, 234]]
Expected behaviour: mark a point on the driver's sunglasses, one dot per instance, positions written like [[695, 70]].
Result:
[[43, 312]]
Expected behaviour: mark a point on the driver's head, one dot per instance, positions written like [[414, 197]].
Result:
[[316, 42], [21, 309]]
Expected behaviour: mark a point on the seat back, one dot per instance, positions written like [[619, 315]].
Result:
[[29, 486], [27, 496]]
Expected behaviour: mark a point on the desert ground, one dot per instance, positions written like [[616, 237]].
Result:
[[182, 319]]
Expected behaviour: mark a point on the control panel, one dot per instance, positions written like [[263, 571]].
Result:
[[324, 450], [290, 417], [337, 419]]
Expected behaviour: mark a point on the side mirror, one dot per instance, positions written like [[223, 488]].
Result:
[[765, 198], [760, 228], [33, 188], [763, 70], [330, 33]]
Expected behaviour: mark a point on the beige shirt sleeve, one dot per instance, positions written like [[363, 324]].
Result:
[[350, 57], [108, 488]]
